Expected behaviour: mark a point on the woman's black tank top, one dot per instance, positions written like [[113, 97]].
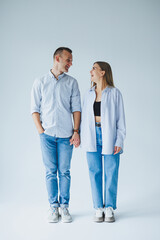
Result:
[[97, 108]]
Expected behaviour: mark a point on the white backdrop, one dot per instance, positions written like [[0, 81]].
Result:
[[124, 33]]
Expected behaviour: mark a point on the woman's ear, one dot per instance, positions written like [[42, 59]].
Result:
[[103, 73]]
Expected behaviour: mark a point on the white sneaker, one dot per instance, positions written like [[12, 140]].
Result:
[[109, 215], [65, 215], [53, 215], [98, 217]]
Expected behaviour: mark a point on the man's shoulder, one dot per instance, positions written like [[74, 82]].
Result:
[[42, 79], [70, 78]]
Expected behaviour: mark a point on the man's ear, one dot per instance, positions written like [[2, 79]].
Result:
[[57, 58]]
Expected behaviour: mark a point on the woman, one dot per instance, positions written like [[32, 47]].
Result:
[[102, 135]]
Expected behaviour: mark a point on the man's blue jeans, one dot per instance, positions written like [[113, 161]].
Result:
[[111, 166], [57, 153]]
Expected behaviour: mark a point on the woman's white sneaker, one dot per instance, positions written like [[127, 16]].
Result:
[[109, 215], [53, 215], [98, 217], [65, 215]]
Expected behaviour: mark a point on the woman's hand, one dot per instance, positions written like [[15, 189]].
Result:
[[116, 150], [75, 140]]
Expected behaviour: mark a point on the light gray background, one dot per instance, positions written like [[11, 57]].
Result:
[[126, 34]]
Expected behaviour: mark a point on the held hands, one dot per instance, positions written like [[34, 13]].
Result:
[[116, 150], [75, 140]]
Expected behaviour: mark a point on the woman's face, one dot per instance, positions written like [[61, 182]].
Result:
[[96, 73]]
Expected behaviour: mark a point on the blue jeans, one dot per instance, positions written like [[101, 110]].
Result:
[[111, 166], [57, 153]]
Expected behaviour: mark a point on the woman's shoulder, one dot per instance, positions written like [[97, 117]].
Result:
[[89, 91], [115, 90]]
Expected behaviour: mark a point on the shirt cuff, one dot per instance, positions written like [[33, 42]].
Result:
[[35, 110]]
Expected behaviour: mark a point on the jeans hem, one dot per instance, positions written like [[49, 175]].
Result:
[[64, 205], [96, 207], [54, 205], [114, 208]]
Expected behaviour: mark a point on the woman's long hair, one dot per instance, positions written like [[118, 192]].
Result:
[[108, 77]]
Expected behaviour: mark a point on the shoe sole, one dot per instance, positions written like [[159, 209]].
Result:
[[98, 220], [109, 220], [66, 221], [53, 221]]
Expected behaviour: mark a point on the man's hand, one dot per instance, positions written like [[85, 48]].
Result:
[[41, 131], [75, 139], [36, 119], [116, 150]]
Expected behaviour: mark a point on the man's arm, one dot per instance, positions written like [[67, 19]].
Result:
[[77, 119], [75, 137], [36, 119]]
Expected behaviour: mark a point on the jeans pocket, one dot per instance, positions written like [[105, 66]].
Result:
[[40, 134]]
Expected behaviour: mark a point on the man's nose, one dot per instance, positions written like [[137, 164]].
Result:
[[70, 63]]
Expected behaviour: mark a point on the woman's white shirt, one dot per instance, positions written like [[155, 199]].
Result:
[[112, 121]]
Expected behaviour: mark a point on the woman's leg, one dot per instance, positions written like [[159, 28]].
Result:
[[111, 166], [95, 172]]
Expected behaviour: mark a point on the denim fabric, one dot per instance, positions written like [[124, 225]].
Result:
[[57, 153], [111, 166]]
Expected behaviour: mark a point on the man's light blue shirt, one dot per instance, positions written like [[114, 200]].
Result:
[[112, 121], [55, 100]]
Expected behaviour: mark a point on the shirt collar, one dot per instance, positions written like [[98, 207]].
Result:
[[59, 77], [92, 88], [104, 90]]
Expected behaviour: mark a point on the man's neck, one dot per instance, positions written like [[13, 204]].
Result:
[[56, 72]]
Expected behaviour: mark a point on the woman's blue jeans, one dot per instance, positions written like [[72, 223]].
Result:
[[57, 153], [111, 166]]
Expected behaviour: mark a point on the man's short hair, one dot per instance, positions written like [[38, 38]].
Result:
[[60, 50]]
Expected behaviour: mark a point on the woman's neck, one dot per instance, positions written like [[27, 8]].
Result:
[[98, 91], [99, 87]]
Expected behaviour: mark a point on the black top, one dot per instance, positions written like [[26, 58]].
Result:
[[97, 108]]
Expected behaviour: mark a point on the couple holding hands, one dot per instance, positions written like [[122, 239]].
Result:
[[99, 126]]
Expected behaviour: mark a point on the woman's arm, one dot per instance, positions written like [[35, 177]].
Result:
[[120, 122]]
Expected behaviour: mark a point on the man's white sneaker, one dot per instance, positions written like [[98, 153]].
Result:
[[53, 215], [65, 215], [98, 217], [109, 215]]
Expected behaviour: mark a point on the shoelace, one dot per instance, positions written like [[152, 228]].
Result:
[[54, 210], [99, 212], [109, 211], [65, 211]]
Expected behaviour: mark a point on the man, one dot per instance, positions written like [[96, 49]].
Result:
[[54, 98]]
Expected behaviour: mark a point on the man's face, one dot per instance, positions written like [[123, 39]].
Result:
[[65, 61]]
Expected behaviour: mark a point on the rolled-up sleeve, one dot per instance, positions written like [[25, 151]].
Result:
[[120, 121], [75, 98], [36, 97]]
